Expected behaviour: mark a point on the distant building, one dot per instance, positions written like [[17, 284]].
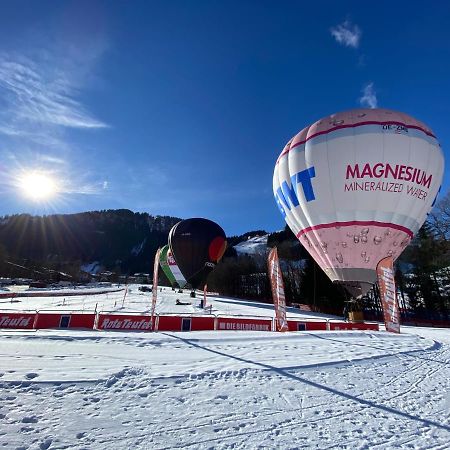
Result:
[[5, 281], [107, 276]]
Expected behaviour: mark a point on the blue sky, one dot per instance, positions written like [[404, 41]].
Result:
[[182, 107]]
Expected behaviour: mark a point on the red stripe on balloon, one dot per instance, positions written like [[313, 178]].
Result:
[[354, 125], [217, 248], [356, 222]]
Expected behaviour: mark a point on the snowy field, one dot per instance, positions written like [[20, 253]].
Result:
[[133, 300], [220, 390]]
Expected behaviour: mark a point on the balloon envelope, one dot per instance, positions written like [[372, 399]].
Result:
[[356, 186], [170, 268], [197, 245]]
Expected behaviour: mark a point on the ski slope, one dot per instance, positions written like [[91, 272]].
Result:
[[256, 245], [221, 390]]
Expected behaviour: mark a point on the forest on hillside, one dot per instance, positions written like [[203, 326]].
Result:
[[120, 241]]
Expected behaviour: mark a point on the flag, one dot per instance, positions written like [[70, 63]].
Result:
[[205, 289], [388, 294], [276, 282], [155, 284], [124, 295]]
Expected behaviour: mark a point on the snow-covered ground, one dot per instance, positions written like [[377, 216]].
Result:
[[95, 389], [131, 299]]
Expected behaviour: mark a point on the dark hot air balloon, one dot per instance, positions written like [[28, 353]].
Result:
[[197, 245]]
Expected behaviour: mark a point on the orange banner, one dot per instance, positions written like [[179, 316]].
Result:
[[276, 282], [388, 294]]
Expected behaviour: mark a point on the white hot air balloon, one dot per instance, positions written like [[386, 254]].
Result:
[[355, 187]]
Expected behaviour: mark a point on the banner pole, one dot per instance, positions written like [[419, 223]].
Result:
[[276, 282], [155, 286], [388, 294]]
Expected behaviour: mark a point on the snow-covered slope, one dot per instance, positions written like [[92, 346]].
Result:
[[222, 390], [92, 268], [253, 246]]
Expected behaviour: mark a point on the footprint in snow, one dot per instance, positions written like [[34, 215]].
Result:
[[44, 445], [31, 375], [30, 419]]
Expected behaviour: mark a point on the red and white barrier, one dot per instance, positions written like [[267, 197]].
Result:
[[203, 323], [238, 324], [188, 323], [141, 322], [82, 321], [295, 325], [169, 323], [17, 320], [61, 320], [123, 322], [336, 326]]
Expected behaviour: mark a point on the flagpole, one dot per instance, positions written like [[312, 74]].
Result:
[[155, 286]]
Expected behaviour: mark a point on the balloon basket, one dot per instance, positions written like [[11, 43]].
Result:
[[356, 316]]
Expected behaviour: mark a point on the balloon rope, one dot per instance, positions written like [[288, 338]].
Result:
[[198, 271]]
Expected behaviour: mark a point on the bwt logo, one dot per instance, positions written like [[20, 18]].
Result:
[[287, 196]]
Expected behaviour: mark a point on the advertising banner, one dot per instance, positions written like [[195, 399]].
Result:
[[336, 326], [238, 324], [276, 282], [122, 322], [17, 320], [386, 283], [380, 193], [155, 283]]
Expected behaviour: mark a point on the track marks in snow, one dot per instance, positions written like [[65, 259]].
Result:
[[340, 409], [248, 407]]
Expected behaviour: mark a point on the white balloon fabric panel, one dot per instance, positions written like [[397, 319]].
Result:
[[356, 186]]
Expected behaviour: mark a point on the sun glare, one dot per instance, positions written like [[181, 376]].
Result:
[[38, 186]]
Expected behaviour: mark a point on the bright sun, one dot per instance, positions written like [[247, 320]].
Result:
[[38, 186]]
